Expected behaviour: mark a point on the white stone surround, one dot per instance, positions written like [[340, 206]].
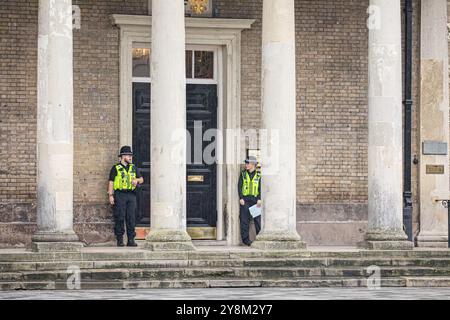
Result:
[[225, 33]]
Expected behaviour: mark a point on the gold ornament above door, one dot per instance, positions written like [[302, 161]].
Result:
[[198, 8]]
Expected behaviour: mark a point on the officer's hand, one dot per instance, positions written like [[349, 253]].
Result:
[[111, 200], [258, 204], [135, 182], [242, 202]]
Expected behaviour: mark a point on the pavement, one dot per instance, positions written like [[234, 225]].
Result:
[[237, 294]]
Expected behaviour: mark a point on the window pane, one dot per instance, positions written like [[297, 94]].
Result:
[[204, 65], [141, 62], [189, 64]]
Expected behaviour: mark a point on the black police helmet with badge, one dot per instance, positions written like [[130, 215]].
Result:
[[125, 151]]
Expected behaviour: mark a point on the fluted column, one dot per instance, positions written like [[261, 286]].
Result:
[[385, 166], [168, 129], [278, 157], [55, 129]]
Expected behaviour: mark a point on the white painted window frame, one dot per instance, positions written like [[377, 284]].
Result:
[[216, 64]]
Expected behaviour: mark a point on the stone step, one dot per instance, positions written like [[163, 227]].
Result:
[[427, 281], [139, 254], [220, 273], [347, 262], [339, 272], [116, 264], [433, 253], [244, 262], [312, 282]]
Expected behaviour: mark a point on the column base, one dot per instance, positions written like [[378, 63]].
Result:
[[169, 240], [278, 241], [432, 241], [386, 245], [55, 241], [386, 240], [56, 246]]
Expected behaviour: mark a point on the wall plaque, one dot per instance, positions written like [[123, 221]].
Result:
[[434, 169], [434, 148]]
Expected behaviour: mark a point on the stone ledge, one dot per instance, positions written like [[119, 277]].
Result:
[[279, 240], [168, 240], [56, 246], [432, 244], [332, 233], [387, 245], [432, 241], [279, 245], [169, 246]]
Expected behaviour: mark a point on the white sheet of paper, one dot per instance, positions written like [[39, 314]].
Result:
[[255, 211]]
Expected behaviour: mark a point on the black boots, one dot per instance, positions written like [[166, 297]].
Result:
[[131, 243]]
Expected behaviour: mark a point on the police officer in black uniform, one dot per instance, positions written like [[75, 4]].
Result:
[[124, 178], [249, 189]]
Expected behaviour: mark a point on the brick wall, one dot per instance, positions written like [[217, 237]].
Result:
[[96, 115], [331, 113], [96, 112], [18, 43], [331, 70]]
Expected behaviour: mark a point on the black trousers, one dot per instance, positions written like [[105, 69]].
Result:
[[125, 213], [245, 217]]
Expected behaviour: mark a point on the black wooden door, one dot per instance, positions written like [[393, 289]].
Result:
[[201, 108], [201, 111], [141, 148]]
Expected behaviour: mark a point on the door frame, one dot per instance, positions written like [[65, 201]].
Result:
[[225, 36], [219, 82]]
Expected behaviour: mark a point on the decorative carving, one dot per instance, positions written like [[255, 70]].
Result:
[[198, 7], [194, 8]]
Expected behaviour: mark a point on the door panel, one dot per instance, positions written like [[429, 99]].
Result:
[[141, 148], [201, 111], [201, 108]]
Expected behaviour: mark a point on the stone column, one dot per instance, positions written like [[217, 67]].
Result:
[[434, 128], [55, 129], [278, 158], [385, 229], [168, 129]]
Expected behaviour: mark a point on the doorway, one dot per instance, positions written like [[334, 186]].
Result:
[[201, 116]]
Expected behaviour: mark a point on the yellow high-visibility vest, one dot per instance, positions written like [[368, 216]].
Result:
[[250, 187], [123, 178]]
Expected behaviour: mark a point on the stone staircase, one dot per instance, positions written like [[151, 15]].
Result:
[[123, 268]]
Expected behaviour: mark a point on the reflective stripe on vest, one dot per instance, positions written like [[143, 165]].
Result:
[[250, 187], [123, 179]]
